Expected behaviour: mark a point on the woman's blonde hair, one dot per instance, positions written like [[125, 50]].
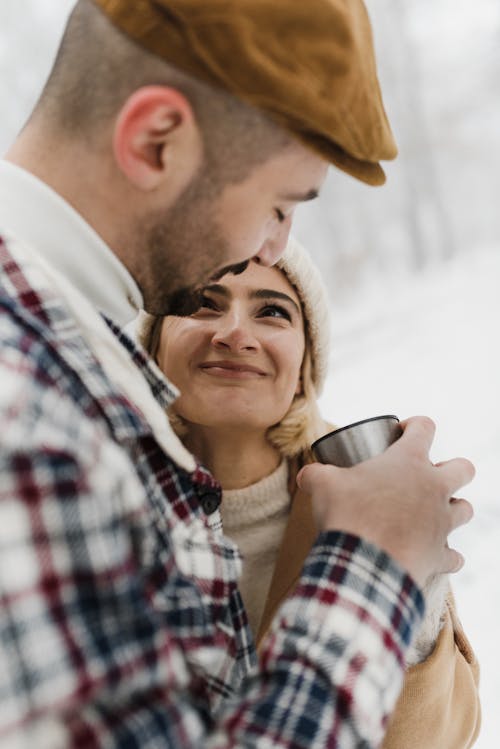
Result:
[[302, 423]]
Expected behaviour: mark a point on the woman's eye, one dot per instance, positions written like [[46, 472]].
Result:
[[275, 310], [206, 303]]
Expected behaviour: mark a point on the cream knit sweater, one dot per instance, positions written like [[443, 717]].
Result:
[[255, 519]]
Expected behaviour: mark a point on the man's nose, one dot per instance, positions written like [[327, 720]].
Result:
[[274, 246]]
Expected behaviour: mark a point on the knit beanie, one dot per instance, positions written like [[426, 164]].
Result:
[[297, 265]]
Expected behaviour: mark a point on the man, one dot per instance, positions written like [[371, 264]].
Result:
[[175, 138]]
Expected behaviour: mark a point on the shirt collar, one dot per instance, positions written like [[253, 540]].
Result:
[[44, 222]]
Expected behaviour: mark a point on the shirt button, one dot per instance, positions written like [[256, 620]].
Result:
[[209, 500]]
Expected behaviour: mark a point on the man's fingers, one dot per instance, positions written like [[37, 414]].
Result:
[[461, 512], [452, 561], [457, 473], [420, 430], [309, 475]]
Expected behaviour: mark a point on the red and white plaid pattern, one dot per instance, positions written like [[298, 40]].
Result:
[[121, 624]]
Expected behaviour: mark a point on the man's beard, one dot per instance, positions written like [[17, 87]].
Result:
[[183, 249]]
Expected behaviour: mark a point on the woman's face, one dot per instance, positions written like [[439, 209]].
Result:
[[237, 360]]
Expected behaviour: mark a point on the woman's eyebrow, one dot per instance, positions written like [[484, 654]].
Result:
[[273, 294], [216, 288]]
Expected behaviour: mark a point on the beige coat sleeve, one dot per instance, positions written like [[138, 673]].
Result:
[[439, 705]]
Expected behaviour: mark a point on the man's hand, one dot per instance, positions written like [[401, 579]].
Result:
[[399, 500]]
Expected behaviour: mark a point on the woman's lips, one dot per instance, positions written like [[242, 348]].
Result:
[[231, 370]]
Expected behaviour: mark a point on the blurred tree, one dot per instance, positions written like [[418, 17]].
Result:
[[427, 216]]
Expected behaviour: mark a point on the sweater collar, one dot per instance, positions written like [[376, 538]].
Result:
[[258, 502], [45, 223]]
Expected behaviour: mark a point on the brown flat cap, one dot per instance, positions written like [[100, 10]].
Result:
[[309, 64]]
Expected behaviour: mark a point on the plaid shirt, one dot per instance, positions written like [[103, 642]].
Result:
[[121, 624]]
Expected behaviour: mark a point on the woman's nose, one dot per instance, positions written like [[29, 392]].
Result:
[[234, 334]]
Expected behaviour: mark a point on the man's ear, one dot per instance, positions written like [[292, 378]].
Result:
[[156, 140]]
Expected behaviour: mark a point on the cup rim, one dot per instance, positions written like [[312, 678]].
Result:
[[354, 424]]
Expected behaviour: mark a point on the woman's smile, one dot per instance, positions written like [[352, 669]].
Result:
[[232, 370]]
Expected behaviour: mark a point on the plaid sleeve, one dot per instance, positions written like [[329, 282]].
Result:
[[332, 666], [86, 659]]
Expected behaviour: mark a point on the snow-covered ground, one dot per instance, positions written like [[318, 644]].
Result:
[[431, 344]]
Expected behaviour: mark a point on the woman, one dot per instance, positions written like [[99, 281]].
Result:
[[250, 363]]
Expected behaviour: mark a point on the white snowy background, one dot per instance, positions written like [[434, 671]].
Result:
[[413, 268]]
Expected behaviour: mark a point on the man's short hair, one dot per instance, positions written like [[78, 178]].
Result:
[[98, 67]]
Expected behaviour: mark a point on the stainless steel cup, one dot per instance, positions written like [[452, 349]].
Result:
[[357, 442]]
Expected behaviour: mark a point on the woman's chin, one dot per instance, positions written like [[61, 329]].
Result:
[[229, 419]]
